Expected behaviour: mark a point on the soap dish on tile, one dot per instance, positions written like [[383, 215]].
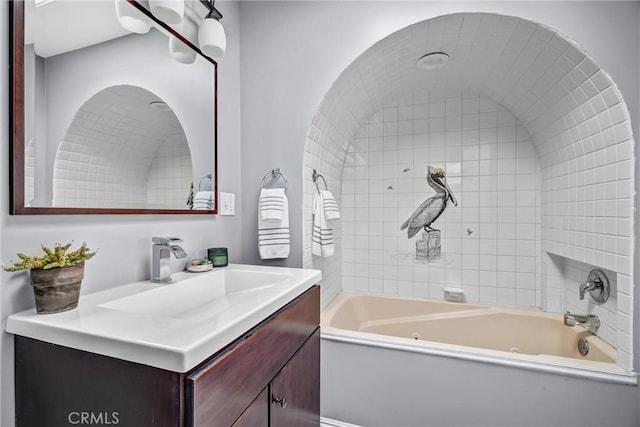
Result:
[[454, 294]]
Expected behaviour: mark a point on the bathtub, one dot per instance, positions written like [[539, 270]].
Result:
[[401, 361]]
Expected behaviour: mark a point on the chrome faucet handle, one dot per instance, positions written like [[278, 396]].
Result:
[[166, 240], [598, 286], [178, 251], [589, 286]]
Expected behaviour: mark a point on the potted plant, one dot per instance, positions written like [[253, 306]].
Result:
[[56, 276]]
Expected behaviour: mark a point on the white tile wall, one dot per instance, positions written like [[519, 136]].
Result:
[[576, 118], [170, 175], [564, 277], [490, 241], [110, 148]]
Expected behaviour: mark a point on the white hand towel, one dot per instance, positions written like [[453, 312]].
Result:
[[203, 200], [273, 235], [330, 205], [322, 235], [272, 203]]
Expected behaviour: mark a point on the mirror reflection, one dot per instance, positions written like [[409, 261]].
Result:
[[116, 123], [126, 148]]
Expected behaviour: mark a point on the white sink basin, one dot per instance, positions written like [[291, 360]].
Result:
[[173, 326], [201, 295]]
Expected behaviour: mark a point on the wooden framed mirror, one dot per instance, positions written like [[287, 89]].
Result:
[[108, 124]]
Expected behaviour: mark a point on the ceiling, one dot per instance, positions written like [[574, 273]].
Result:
[[542, 77]]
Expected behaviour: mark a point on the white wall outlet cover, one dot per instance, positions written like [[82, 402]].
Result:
[[227, 204]]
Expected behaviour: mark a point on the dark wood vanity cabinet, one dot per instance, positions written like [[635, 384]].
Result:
[[257, 414], [292, 398], [294, 392], [268, 377]]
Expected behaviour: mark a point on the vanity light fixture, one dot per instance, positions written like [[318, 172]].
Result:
[[211, 36], [130, 18], [180, 51], [168, 11]]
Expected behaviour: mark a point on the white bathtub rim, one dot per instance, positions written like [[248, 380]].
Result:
[[600, 371]]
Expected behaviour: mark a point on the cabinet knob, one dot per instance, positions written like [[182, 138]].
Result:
[[282, 401]]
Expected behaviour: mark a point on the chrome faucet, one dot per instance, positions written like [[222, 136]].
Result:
[[161, 259], [590, 321], [589, 286], [597, 284]]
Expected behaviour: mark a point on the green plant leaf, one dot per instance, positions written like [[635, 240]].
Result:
[[56, 257]]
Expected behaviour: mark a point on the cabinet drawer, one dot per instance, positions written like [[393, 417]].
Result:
[[219, 392]]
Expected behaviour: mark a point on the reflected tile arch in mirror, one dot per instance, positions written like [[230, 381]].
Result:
[[76, 173], [125, 148]]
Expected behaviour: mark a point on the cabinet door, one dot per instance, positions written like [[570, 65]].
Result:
[[218, 392], [295, 391], [257, 414], [57, 386]]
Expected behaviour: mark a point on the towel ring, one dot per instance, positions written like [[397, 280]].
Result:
[[206, 183], [316, 176], [275, 175]]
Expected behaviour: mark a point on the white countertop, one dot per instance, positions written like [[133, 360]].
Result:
[[172, 326]]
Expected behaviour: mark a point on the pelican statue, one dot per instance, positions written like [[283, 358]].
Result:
[[431, 209]]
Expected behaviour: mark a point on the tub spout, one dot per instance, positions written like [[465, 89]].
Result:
[[590, 321]]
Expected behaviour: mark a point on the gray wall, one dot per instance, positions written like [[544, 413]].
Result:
[[124, 242]]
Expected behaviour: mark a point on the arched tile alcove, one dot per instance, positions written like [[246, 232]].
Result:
[[563, 104], [119, 151]]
